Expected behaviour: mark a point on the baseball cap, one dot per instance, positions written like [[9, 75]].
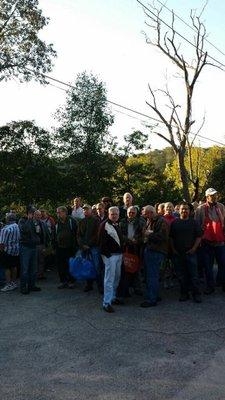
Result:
[[210, 191], [87, 206]]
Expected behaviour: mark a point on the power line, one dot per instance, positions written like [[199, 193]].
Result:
[[126, 108], [188, 25], [179, 34]]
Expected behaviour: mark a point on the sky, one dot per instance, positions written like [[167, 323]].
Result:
[[105, 37]]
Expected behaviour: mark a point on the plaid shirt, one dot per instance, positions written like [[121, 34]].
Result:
[[10, 236]]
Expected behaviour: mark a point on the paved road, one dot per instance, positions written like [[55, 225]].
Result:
[[60, 345]]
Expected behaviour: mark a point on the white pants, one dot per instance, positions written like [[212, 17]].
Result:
[[112, 277]]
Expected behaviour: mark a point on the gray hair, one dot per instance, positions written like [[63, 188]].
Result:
[[127, 194], [150, 208], [114, 208], [169, 204], [10, 217], [62, 208], [132, 208]]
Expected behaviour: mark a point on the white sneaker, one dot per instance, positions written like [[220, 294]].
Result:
[[14, 284], [8, 287]]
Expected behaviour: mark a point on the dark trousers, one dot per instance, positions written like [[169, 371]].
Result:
[[152, 262], [62, 261], [209, 253], [186, 267], [28, 267]]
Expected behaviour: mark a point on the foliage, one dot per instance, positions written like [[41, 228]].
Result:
[[85, 118], [216, 178], [83, 136], [21, 49], [203, 162]]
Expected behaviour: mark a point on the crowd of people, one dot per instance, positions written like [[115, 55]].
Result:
[[132, 249]]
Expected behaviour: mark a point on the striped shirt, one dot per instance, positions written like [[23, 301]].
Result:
[[9, 237]]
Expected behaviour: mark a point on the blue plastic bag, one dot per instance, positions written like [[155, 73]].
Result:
[[82, 268]]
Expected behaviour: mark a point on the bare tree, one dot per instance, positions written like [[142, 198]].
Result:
[[179, 121]]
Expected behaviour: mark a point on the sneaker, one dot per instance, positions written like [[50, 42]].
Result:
[[35, 289], [108, 308], [197, 298], [63, 285], [8, 287], [147, 304], [184, 297], [138, 292], [15, 284], [71, 285], [88, 288], [24, 291], [118, 302], [209, 290]]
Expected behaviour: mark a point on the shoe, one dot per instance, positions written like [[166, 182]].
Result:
[[147, 304], [71, 285], [197, 298], [63, 285], [24, 291], [138, 292], [108, 308], [15, 284], [118, 302], [184, 297], [8, 287], [209, 290], [35, 289], [88, 288]]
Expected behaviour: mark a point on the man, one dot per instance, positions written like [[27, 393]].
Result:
[[107, 201], [101, 215], [66, 246], [156, 246], [132, 229], [111, 242], [9, 251], [185, 237], [211, 217], [127, 202], [44, 236], [29, 240], [87, 236], [77, 212]]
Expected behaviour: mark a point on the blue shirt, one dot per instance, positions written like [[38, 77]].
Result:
[[10, 236]]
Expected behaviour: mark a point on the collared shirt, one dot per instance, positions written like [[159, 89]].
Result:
[[10, 236], [78, 213]]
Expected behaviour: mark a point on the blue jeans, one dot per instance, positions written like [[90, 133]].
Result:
[[28, 267], [209, 253], [152, 262], [186, 267], [112, 277]]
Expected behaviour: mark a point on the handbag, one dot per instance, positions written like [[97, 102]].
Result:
[[82, 267], [131, 262]]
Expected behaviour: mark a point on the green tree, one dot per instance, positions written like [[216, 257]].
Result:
[[21, 49], [29, 174], [83, 135], [203, 162]]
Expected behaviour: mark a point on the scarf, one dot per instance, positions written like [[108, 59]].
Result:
[[112, 232]]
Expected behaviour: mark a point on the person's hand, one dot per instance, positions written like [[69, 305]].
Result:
[[191, 251], [175, 252], [85, 247]]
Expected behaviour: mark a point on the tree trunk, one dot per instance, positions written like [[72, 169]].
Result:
[[183, 174]]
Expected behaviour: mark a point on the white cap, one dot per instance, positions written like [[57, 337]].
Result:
[[210, 191]]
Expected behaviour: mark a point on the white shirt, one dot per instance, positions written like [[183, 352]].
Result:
[[78, 213]]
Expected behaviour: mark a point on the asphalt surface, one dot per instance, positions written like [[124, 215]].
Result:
[[61, 345]]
